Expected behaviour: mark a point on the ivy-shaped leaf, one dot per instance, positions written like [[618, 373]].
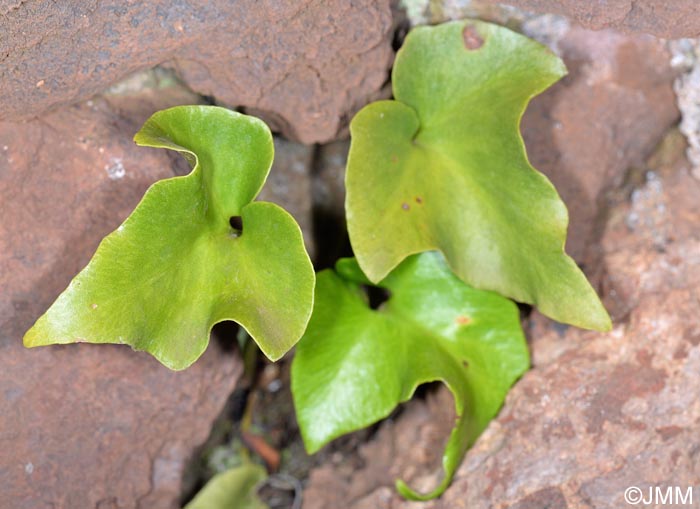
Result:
[[443, 166], [354, 364], [196, 251]]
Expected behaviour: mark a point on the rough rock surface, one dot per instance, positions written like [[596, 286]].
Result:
[[671, 19], [598, 413], [606, 115], [305, 66], [289, 184], [686, 59], [87, 426]]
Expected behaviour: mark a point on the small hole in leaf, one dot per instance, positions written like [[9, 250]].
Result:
[[376, 296], [236, 223]]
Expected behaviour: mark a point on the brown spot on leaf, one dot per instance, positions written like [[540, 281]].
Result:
[[419, 200], [463, 320], [394, 159], [472, 39], [405, 206]]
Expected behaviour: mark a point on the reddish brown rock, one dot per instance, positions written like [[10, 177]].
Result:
[[598, 413], [87, 426], [605, 116], [305, 66], [671, 19]]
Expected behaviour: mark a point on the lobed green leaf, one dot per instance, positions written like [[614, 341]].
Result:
[[443, 166], [354, 364], [177, 266]]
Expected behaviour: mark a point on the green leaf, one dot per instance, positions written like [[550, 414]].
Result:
[[233, 489], [176, 266], [354, 364], [444, 167]]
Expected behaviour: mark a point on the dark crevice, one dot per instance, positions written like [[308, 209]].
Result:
[[525, 311], [376, 296], [329, 228], [226, 335], [423, 390]]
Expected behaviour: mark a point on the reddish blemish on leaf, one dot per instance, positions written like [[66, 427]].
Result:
[[405, 206], [472, 39], [394, 159], [463, 320]]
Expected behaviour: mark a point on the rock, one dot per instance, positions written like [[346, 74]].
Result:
[[88, 426], [598, 413], [305, 66], [671, 19], [605, 116], [686, 59], [289, 184], [329, 178]]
